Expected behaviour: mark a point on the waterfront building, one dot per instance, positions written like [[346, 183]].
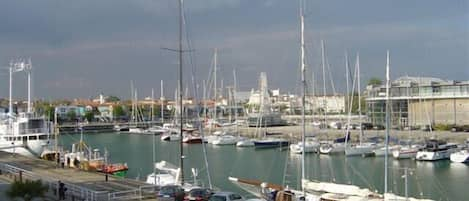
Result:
[[420, 101]]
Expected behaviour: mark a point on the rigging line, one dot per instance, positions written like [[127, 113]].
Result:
[[194, 84]]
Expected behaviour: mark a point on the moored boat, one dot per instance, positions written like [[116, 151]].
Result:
[[460, 156], [436, 150], [271, 143], [117, 169]]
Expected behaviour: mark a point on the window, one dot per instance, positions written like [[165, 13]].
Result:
[[235, 197], [33, 137], [43, 137]]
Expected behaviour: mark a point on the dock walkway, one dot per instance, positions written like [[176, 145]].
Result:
[[81, 185]]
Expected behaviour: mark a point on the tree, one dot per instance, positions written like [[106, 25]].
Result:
[[113, 99], [355, 104], [89, 116], [374, 81], [27, 190], [118, 111], [72, 115]]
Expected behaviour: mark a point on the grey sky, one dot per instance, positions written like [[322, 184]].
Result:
[[81, 48]]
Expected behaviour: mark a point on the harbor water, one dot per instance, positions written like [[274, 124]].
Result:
[[441, 180]]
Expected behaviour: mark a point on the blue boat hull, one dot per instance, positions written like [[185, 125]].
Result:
[[276, 144]]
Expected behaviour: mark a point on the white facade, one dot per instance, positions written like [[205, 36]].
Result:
[[330, 104]]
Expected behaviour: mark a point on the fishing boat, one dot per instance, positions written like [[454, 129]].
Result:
[[117, 169], [436, 150]]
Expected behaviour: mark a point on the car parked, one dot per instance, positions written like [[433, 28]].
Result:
[[226, 196], [171, 193], [198, 194]]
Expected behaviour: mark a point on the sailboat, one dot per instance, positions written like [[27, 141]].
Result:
[[362, 148]]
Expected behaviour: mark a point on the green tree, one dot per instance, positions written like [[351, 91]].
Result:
[[27, 190], [72, 115], [374, 81], [113, 99], [89, 116], [118, 111], [355, 104]]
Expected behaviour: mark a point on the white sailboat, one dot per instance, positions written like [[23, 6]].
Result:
[[362, 148]]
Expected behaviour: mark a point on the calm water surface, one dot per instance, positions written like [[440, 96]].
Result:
[[440, 180]]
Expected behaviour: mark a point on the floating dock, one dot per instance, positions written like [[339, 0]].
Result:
[[81, 185]]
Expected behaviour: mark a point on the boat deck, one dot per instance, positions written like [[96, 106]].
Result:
[[80, 184]]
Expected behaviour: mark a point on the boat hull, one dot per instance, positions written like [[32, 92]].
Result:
[[338, 148], [270, 144], [359, 150], [460, 157], [434, 155]]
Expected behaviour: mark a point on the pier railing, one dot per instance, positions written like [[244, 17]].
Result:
[[76, 191]]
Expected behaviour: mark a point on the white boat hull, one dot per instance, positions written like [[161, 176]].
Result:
[[434, 156], [310, 147], [225, 140], [405, 153], [460, 157], [245, 143], [381, 151], [359, 150], [336, 148]]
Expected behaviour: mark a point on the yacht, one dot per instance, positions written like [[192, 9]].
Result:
[[245, 142], [334, 147], [171, 136], [437, 150], [460, 156], [26, 134], [362, 149], [381, 150]]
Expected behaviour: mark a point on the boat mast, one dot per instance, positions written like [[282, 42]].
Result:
[[387, 126], [347, 95], [303, 97], [215, 83], [323, 64], [152, 104], [28, 67], [162, 102], [10, 102], [181, 161], [234, 99], [359, 99]]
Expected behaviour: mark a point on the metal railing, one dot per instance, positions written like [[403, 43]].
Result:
[[80, 192]]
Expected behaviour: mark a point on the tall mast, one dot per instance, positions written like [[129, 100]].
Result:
[[10, 102], [359, 99], [29, 69], [387, 125], [347, 95], [323, 64], [215, 83], [161, 102], [234, 99], [205, 98], [152, 104], [181, 162], [303, 95]]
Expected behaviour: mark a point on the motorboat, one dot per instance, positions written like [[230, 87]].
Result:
[[460, 156], [436, 150], [271, 143], [137, 130], [120, 128]]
